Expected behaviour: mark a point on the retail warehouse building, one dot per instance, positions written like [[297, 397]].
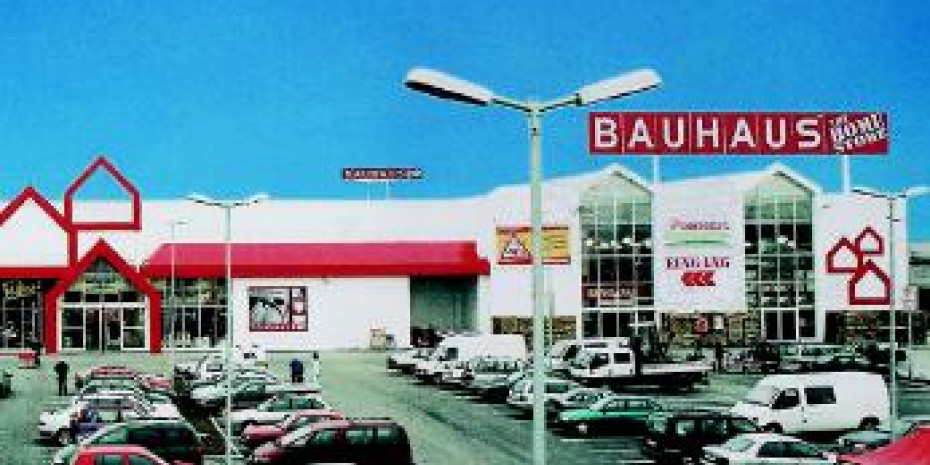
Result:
[[745, 256]]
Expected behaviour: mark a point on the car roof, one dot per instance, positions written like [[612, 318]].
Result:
[[759, 437], [115, 449], [317, 412]]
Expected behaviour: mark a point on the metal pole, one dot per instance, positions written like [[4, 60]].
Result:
[[172, 301], [893, 317], [229, 333], [656, 173], [845, 174], [539, 418]]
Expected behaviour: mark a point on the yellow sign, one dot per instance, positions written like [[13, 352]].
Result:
[[513, 245]]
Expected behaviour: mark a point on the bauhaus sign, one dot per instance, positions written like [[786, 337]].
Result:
[[738, 133]]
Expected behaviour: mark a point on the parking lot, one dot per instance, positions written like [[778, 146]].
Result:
[[444, 426]]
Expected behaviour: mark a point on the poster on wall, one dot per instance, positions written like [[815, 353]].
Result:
[[514, 245], [277, 309], [699, 253]]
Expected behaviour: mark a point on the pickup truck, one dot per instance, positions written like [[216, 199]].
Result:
[[616, 367]]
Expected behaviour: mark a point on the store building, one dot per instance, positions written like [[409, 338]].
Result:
[[746, 256]]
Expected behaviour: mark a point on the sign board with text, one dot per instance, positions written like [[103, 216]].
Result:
[[738, 133], [381, 174], [514, 246]]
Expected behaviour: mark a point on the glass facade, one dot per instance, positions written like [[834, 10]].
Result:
[[21, 309], [780, 260], [196, 317], [102, 310], [617, 259]]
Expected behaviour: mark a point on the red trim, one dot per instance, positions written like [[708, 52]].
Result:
[[26, 272], [869, 267], [867, 232], [102, 250], [439, 258], [843, 243], [133, 225]]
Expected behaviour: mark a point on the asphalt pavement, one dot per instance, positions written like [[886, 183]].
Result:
[[445, 427]]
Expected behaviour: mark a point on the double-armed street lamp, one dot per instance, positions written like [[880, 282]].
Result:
[[892, 198], [227, 206], [444, 86]]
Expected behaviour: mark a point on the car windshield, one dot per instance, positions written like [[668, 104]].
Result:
[[738, 444], [293, 437], [762, 394]]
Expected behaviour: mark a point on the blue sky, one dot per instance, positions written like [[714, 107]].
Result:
[[228, 98]]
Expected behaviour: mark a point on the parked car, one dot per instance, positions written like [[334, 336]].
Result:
[[123, 386], [496, 388], [672, 437], [610, 414], [462, 374], [856, 442], [764, 448], [577, 398], [275, 409], [255, 435], [149, 381], [358, 441], [406, 360], [58, 425], [816, 402], [171, 440], [563, 352], [245, 393], [521, 394], [89, 421], [803, 358], [118, 455]]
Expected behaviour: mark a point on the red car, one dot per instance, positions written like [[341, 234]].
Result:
[[256, 435], [147, 381], [134, 455]]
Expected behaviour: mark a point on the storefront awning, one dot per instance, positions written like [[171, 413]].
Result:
[[444, 258]]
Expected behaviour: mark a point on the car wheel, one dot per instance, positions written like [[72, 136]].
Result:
[[63, 437], [869, 424], [772, 428], [583, 429]]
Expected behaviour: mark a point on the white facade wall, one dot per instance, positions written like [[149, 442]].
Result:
[[341, 312]]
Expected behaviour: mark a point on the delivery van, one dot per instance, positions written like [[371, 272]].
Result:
[[801, 403], [454, 351], [563, 352]]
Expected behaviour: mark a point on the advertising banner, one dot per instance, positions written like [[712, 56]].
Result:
[[609, 295], [738, 133], [699, 253], [277, 309], [514, 246]]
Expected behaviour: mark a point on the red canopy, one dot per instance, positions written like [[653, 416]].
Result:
[[913, 449], [433, 258]]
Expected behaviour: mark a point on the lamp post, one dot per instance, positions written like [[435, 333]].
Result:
[[892, 198], [227, 206], [172, 299], [444, 86]]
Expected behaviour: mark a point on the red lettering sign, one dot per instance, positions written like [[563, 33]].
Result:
[[738, 133]]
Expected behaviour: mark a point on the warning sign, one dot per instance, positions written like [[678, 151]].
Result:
[[514, 245]]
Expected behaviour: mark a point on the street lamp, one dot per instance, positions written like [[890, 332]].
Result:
[[892, 198], [444, 86], [228, 206], [172, 296]]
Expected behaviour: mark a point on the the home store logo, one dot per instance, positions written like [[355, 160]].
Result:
[[855, 259]]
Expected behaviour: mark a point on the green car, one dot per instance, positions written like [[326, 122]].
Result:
[[613, 414]]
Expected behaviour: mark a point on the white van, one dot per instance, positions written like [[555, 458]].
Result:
[[817, 402], [454, 351], [563, 352]]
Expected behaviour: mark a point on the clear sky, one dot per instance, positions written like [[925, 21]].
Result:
[[232, 97]]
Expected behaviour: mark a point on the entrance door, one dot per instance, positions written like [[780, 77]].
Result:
[[112, 329], [92, 329]]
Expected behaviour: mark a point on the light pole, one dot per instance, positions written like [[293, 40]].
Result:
[[444, 86], [173, 299], [892, 198], [228, 206]]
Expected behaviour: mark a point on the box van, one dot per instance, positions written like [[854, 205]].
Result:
[[817, 402], [454, 351], [563, 352]]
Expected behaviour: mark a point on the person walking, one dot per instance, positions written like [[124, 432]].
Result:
[[297, 371], [61, 372], [315, 368]]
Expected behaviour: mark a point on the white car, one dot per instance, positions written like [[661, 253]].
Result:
[[276, 409], [521, 394], [764, 448], [56, 424]]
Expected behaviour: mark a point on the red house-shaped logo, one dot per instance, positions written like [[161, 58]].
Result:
[[133, 224]]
